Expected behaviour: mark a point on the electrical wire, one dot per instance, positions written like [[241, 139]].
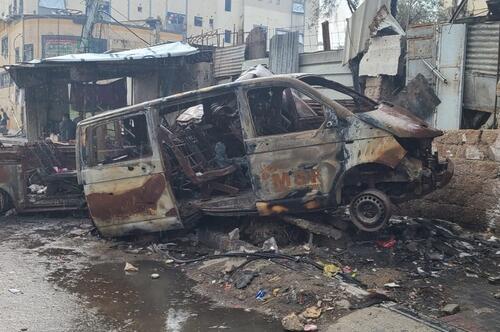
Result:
[[126, 27]]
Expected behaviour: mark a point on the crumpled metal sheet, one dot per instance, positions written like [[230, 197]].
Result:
[[382, 57], [358, 27]]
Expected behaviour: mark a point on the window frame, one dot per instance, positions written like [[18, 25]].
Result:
[[88, 149], [198, 21], [286, 85], [228, 36]]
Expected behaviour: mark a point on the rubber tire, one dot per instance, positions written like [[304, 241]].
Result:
[[5, 201], [377, 198]]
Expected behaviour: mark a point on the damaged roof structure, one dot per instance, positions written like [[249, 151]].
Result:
[[89, 83]]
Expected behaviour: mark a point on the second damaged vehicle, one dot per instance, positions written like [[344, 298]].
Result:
[[277, 145]]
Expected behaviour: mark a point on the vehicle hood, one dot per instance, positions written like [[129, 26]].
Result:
[[399, 122]]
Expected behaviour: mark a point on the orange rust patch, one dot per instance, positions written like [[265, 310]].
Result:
[[142, 200], [311, 205]]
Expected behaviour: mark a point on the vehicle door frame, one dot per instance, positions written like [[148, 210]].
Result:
[[129, 177], [255, 145]]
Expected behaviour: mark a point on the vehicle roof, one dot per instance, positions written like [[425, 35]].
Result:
[[211, 89]]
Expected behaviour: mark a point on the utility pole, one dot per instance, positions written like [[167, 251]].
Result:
[[92, 10]]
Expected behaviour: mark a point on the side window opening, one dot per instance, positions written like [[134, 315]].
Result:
[[202, 145], [281, 110], [118, 140]]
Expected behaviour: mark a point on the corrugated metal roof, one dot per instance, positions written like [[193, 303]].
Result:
[[482, 48], [228, 61]]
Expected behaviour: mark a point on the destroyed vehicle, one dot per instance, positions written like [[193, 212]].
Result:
[[39, 177], [286, 144]]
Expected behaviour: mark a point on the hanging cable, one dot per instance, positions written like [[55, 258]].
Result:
[[126, 27]]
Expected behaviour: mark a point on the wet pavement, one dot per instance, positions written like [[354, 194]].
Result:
[[53, 279]]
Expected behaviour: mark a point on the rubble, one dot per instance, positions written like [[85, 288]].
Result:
[[292, 323], [130, 268], [311, 313], [450, 309]]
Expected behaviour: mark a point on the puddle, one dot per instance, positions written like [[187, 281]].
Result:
[[134, 301]]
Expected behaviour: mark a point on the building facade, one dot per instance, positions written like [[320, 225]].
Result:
[[474, 7], [32, 29]]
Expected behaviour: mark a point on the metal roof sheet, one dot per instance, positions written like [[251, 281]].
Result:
[[154, 52]]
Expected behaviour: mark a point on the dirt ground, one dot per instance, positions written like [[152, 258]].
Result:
[[57, 274]]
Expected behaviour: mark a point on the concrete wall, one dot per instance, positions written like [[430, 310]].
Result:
[[473, 196]]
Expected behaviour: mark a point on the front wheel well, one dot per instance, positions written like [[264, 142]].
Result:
[[5, 201], [377, 176]]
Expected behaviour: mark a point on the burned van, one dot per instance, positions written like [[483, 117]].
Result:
[[286, 144]]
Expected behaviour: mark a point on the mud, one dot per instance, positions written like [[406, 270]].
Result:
[[77, 283]]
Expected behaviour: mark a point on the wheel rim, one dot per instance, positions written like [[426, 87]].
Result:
[[370, 211]]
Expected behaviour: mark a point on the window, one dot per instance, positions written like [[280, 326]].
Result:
[[228, 5], [298, 7], [106, 11], [227, 36], [175, 22], [5, 47], [118, 140], [18, 55], [5, 80], [28, 52], [198, 21], [51, 7], [211, 23], [281, 110]]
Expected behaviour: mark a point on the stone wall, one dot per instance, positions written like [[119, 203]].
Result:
[[472, 198]]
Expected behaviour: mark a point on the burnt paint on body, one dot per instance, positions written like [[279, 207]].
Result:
[[106, 206]]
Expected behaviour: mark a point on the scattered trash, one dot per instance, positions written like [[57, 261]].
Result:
[[330, 270], [130, 268], [492, 239], [270, 245], [497, 296], [347, 269], [343, 304], [311, 313], [392, 285], [311, 327], [37, 189], [386, 244], [169, 261], [155, 276], [292, 323], [261, 294], [495, 280], [11, 212], [15, 291], [450, 309], [471, 275], [244, 279], [234, 234]]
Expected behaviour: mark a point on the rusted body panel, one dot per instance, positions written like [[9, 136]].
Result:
[[130, 196], [355, 146]]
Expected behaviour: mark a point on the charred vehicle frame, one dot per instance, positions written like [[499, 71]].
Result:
[[265, 146]]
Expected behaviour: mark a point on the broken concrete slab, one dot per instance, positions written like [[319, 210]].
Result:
[[450, 309], [364, 320]]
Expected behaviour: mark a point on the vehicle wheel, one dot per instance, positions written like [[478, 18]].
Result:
[[370, 210], [5, 202]]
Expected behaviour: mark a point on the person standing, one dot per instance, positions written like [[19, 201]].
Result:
[[67, 129], [4, 122]]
